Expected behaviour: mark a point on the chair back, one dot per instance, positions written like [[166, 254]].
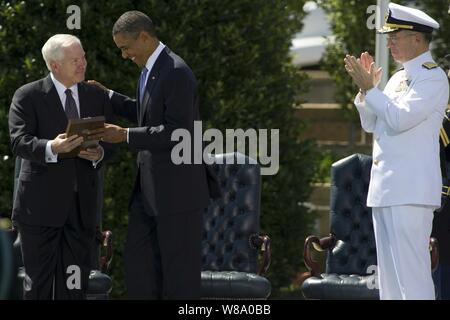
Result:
[[350, 218], [232, 219]]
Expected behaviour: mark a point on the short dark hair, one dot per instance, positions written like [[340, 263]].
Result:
[[132, 23]]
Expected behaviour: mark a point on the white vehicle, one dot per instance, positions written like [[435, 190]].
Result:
[[308, 46]]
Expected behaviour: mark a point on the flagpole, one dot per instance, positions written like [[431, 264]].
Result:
[[381, 50]]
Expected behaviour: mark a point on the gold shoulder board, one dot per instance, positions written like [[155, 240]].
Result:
[[429, 65]]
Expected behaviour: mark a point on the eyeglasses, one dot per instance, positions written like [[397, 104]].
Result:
[[394, 39]]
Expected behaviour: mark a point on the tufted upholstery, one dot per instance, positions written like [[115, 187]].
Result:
[[350, 218], [231, 233], [352, 250]]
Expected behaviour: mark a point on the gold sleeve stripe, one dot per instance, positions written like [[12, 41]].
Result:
[[446, 117], [444, 137]]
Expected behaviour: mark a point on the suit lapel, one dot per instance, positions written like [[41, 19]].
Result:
[[54, 103], [152, 79], [138, 103], [82, 100]]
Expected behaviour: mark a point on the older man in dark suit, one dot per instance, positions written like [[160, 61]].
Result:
[[56, 205], [163, 249]]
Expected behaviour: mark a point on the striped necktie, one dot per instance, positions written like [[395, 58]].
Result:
[[142, 83], [70, 106]]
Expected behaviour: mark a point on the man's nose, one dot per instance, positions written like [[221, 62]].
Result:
[[82, 66]]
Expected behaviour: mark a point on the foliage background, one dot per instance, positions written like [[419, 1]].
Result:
[[348, 21], [238, 50]]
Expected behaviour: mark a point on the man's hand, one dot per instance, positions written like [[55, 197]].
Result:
[[91, 154], [62, 144], [110, 133], [98, 84], [366, 60], [364, 77]]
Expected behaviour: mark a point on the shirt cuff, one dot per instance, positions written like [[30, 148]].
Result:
[[359, 100], [50, 157], [370, 91], [95, 163]]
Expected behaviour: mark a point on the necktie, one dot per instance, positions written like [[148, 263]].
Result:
[[70, 106], [142, 83]]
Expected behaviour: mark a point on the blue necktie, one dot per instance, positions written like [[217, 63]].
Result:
[[142, 83]]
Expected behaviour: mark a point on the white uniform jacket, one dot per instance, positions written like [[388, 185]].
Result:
[[405, 119]]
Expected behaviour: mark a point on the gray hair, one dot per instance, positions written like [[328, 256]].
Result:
[[428, 37], [53, 48], [132, 23]]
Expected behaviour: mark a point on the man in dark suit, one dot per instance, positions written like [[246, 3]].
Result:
[[56, 205], [441, 220], [163, 248]]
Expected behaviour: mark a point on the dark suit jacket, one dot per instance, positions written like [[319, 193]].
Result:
[[45, 190], [170, 98]]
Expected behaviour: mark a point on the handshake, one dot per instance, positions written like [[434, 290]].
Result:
[[79, 144], [112, 133], [109, 133]]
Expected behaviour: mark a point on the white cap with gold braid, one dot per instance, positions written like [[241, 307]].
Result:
[[404, 18]]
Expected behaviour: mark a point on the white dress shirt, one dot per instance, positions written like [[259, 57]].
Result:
[[50, 157], [149, 65]]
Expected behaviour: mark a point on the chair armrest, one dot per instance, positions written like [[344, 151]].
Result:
[[319, 245], [262, 242], [105, 260], [434, 249]]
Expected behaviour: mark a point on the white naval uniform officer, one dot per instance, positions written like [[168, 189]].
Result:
[[405, 184]]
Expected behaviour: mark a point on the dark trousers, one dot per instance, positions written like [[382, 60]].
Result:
[[163, 254], [441, 278], [57, 260]]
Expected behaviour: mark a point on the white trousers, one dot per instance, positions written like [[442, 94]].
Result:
[[402, 236]]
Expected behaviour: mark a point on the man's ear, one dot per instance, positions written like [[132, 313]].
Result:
[[144, 36], [54, 66]]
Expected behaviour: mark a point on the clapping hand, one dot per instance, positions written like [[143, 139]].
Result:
[[362, 71], [366, 61]]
